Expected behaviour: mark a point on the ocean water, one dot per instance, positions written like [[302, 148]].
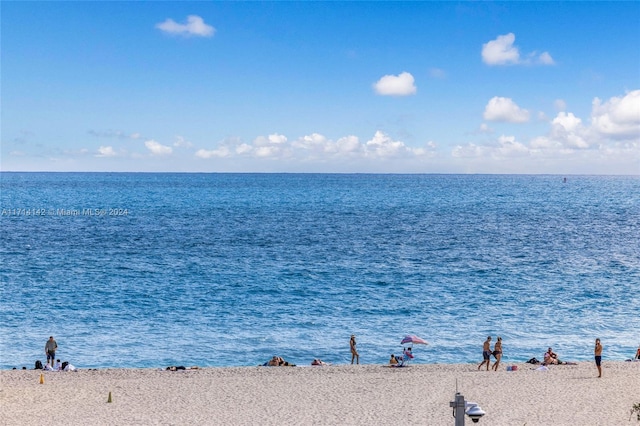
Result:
[[151, 270]]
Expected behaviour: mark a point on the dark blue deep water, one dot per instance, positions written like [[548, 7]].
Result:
[[150, 270]]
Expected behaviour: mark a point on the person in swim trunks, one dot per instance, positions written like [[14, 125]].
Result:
[[486, 353], [598, 356]]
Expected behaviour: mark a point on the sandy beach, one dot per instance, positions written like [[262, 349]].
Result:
[[325, 395]]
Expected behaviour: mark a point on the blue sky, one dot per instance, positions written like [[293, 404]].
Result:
[[353, 87]]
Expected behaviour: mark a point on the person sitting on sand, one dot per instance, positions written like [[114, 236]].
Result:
[[278, 361], [637, 354], [393, 360], [550, 357], [318, 362], [274, 362]]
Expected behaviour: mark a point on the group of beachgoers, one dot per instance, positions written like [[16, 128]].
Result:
[[403, 360], [487, 353], [277, 361], [549, 358], [53, 363], [394, 361]]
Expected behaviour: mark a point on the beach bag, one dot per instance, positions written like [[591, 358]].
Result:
[[38, 365]]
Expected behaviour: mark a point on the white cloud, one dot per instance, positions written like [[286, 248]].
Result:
[[502, 148], [383, 146], [612, 137], [567, 131], [182, 142], [508, 146], [429, 150], [157, 148], [273, 139], [570, 143], [504, 109], [567, 121], [316, 147], [221, 152], [348, 144], [277, 139], [501, 51], [470, 150], [106, 151], [194, 26], [319, 146], [314, 141], [619, 117], [545, 59], [396, 85], [244, 149], [266, 151]]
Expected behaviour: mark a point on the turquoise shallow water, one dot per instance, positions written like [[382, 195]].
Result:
[[133, 270]]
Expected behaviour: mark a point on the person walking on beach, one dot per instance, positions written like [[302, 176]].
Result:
[[598, 355], [50, 349], [486, 353], [497, 352], [354, 352]]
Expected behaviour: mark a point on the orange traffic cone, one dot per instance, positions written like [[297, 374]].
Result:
[[41, 378]]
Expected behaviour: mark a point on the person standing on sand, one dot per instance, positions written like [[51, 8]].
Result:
[[486, 353], [598, 355], [354, 352], [50, 349], [497, 352]]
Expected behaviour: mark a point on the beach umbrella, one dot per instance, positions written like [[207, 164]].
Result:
[[413, 339]]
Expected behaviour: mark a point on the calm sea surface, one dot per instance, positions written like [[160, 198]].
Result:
[[151, 270]]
